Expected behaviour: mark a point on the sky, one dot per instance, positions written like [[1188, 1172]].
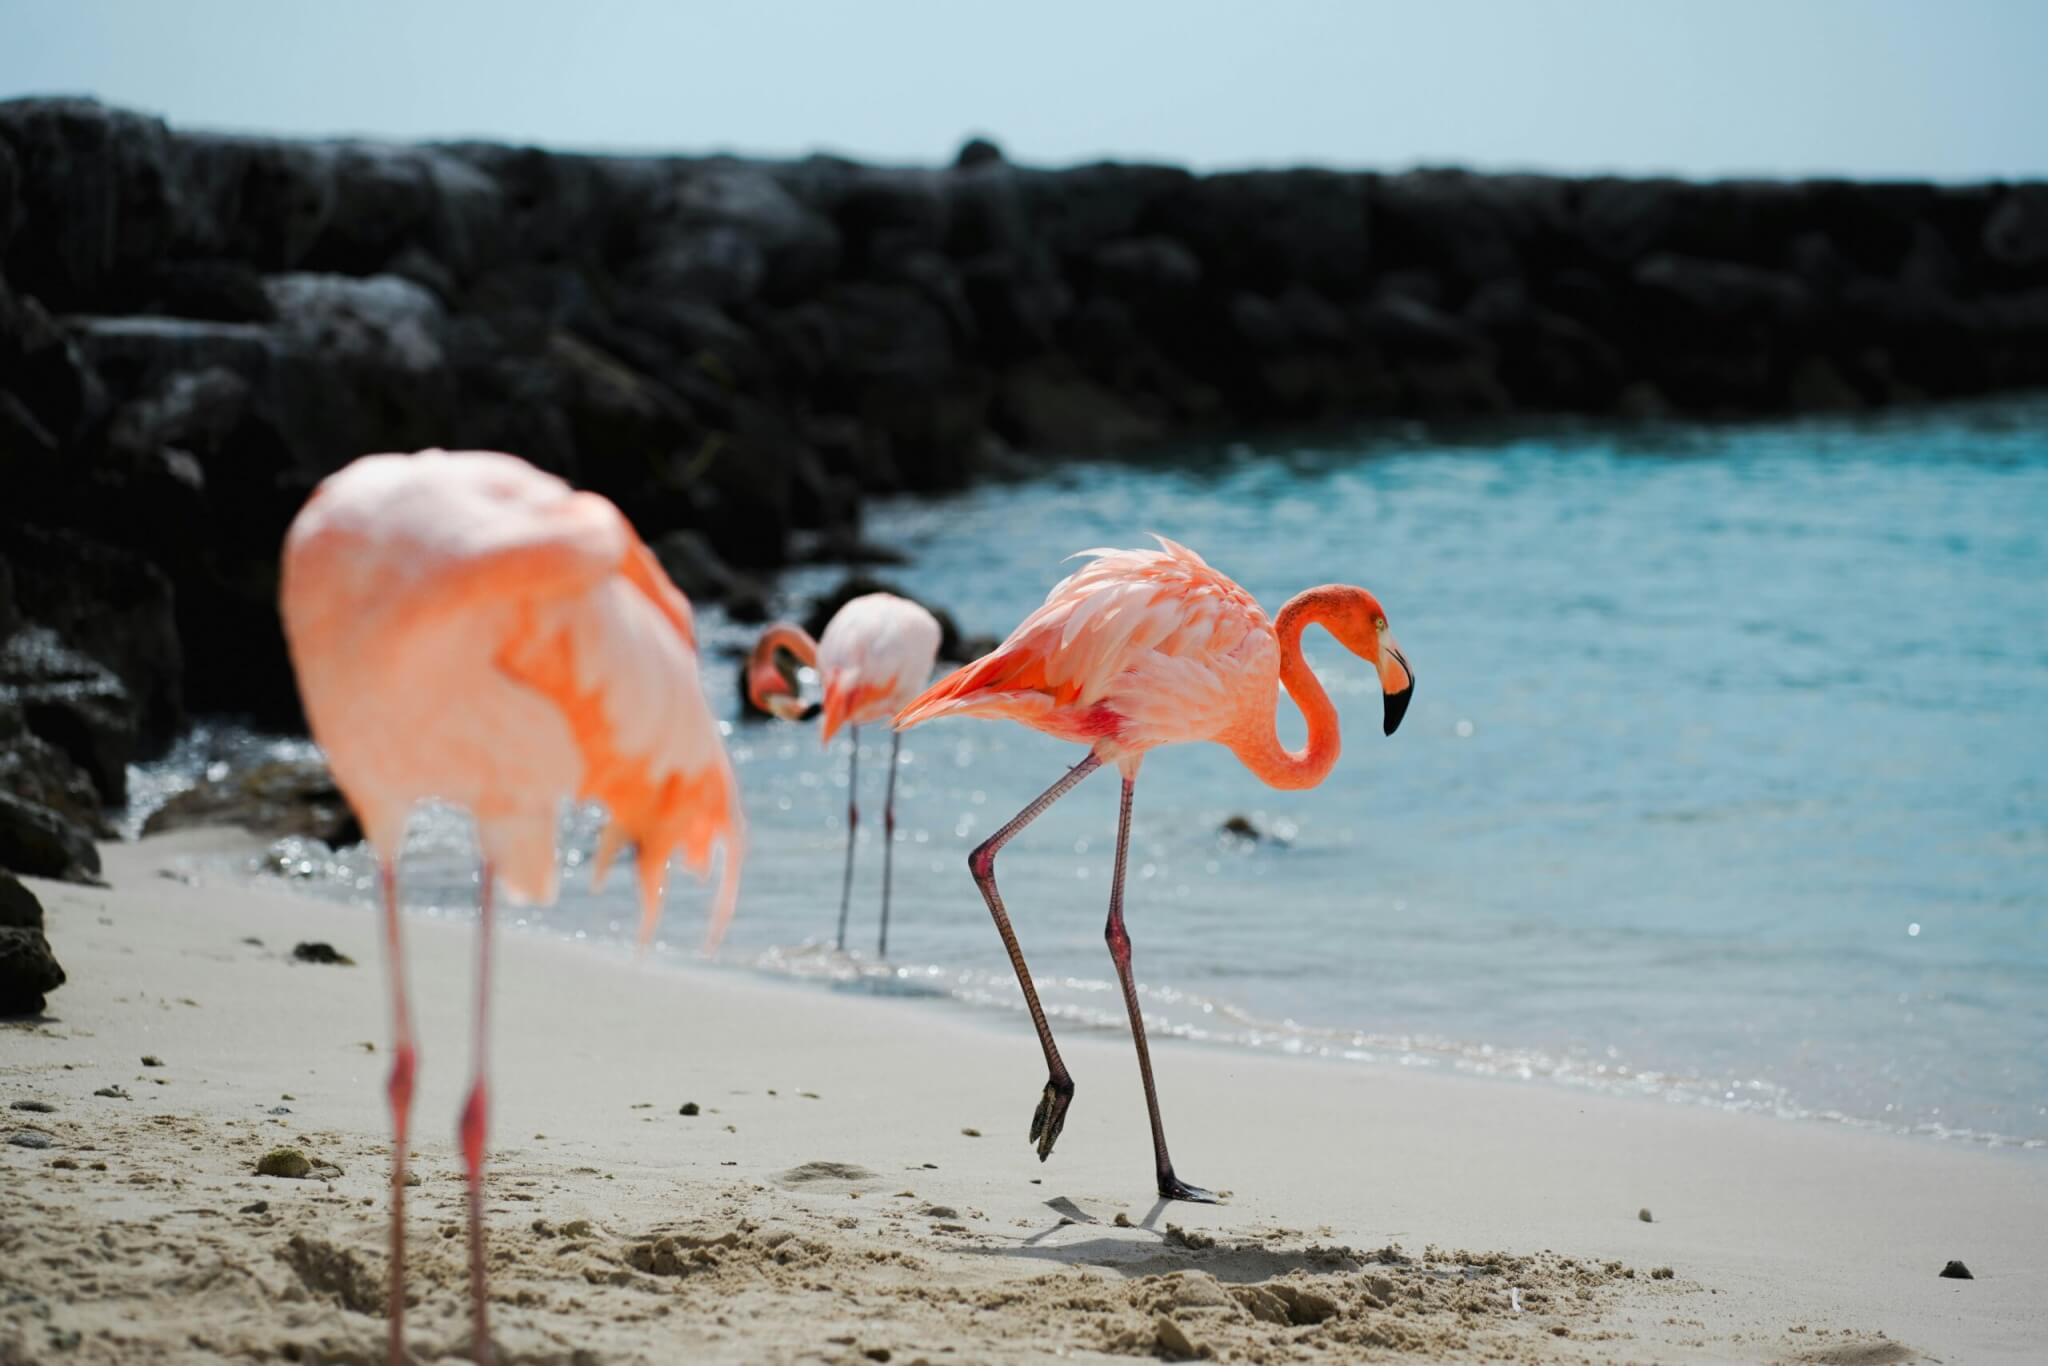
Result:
[[1862, 88]]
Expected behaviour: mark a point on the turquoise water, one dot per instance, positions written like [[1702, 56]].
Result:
[[1724, 779]]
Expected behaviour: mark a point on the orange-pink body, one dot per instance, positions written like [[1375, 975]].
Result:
[[469, 629], [1142, 648]]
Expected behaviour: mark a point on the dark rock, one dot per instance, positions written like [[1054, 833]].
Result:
[[314, 951], [38, 842], [977, 152], [29, 1138], [2016, 233], [38, 772], [28, 970], [1241, 827], [117, 608], [1048, 406], [36, 1107], [97, 190], [1956, 1271], [19, 908], [277, 798], [689, 1107], [221, 291], [1270, 229], [74, 703]]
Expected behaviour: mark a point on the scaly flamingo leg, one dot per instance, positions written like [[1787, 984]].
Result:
[[404, 1065], [475, 1114], [852, 825], [888, 839], [1051, 1115], [1171, 1187]]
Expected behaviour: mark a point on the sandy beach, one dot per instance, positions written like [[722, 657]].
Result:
[[856, 1185]]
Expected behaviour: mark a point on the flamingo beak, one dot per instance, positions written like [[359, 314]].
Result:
[[1399, 684], [787, 707]]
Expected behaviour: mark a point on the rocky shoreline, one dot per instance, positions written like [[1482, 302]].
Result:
[[196, 327]]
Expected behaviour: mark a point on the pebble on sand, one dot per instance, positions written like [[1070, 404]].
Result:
[[1956, 1271], [287, 1162], [689, 1108], [112, 1093], [40, 1107], [1644, 1215], [316, 951], [29, 1139], [972, 1133], [152, 1060]]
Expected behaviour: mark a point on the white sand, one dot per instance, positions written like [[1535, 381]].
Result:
[[1788, 1241]]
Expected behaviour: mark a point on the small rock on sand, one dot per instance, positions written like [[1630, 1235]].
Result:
[[1174, 1343], [112, 1093], [40, 1107], [1644, 1215], [1122, 1220], [317, 951], [152, 1060], [972, 1133], [689, 1108], [27, 1139], [1956, 1271], [286, 1162], [255, 1207], [1660, 1273]]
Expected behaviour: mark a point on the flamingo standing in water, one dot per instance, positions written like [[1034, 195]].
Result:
[[469, 629], [1138, 649], [876, 654]]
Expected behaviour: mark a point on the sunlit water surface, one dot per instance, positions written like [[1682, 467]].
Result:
[[1723, 781]]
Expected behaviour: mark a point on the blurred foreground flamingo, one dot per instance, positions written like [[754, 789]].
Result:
[[1144, 648], [876, 654], [469, 629]]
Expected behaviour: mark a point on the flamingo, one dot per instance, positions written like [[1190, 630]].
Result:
[[876, 654], [1142, 648], [467, 628]]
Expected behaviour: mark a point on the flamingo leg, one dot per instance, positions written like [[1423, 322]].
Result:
[[475, 1114], [1171, 1187], [404, 1065], [1051, 1115], [888, 839], [852, 825]]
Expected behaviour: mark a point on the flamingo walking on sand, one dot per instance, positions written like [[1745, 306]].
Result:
[[876, 654], [469, 629], [1138, 649]]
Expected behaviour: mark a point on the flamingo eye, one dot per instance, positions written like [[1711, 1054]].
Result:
[[1380, 625]]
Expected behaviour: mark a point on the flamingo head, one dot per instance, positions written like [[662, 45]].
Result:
[[771, 681], [1358, 621]]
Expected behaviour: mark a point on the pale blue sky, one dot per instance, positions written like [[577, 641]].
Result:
[[1853, 87]]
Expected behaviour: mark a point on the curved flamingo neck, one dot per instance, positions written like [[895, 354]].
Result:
[[1263, 754], [785, 635], [763, 679]]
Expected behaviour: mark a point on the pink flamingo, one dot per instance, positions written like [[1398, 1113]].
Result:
[[1144, 648], [467, 628], [876, 654]]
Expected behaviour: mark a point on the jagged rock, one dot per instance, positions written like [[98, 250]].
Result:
[[19, 908], [277, 798], [37, 771], [2016, 233], [29, 971], [117, 609], [38, 842], [73, 702]]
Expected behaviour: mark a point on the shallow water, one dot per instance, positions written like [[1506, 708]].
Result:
[[1723, 780]]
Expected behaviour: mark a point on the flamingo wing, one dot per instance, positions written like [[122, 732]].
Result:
[[425, 595], [1131, 631]]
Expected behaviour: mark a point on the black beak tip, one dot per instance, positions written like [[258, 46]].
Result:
[[1397, 707], [816, 707]]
